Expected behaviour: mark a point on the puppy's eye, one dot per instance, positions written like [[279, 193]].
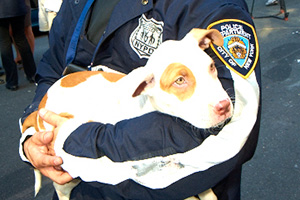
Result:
[[180, 80]]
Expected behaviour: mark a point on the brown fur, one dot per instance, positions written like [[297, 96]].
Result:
[[76, 78], [173, 72], [30, 121]]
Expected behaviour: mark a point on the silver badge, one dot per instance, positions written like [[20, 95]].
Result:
[[146, 37]]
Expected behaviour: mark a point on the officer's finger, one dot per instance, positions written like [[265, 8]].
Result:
[[42, 138], [62, 178], [49, 161], [39, 157], [50, 117], [59, 176]]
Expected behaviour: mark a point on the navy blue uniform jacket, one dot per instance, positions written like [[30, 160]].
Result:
[[153, 134]]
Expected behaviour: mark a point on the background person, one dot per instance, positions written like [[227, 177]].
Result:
[[28, 32], [47, 12], [12, 13]]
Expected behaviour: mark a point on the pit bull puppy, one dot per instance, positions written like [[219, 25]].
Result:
[[180, 79]]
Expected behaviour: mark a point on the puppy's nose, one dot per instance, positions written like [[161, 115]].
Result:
[[222, 107]]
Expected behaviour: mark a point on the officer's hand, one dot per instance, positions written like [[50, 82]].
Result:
[[39, 151], [56, 121]]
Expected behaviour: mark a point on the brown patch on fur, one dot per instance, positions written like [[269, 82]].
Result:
[[30, 121], [33, 120], [76, 78], [40, 121], [66, 115], [43, 101], [112, 77], [171, 74]]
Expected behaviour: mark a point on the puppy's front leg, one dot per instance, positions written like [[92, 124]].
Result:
[[64, 191], [192, 198], [208, 195]]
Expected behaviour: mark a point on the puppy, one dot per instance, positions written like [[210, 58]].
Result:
[[180, 79]]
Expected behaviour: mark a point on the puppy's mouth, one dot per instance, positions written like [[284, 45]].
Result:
[[221, 119], [215, 129]]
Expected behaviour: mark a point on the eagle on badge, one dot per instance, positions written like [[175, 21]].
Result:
[[237, 48]]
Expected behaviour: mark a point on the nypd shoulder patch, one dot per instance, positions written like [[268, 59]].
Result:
[[240, 50]]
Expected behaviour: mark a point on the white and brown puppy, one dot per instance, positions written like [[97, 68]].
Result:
[[180, 79]]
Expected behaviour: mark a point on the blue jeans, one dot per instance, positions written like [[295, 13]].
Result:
[[10, 67]]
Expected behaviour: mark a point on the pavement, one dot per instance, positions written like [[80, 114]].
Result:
[[274, 171]]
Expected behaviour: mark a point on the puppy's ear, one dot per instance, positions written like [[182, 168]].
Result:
[[205, 37], [145, 84]]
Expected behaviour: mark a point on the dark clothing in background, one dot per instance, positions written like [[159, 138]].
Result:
[[13, 13]]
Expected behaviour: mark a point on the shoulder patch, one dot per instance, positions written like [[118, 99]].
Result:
[[240, 50]]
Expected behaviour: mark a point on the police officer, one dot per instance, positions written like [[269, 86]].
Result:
[[122, 34]]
